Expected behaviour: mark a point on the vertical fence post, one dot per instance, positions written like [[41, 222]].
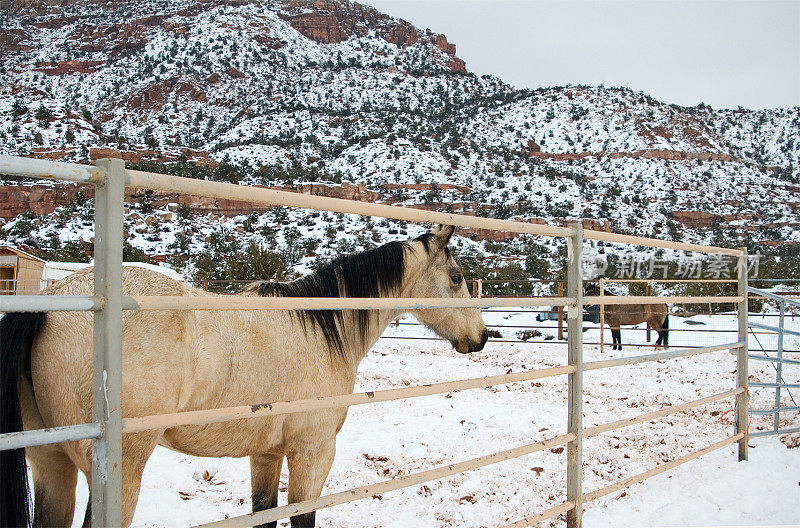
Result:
[[480, 288], [648, 290], [106, 481], [742, 424], [560, 310], [575, 357], [602, 315], [779, 367]]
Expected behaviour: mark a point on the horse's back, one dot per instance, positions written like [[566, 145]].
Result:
[[62, 353], [135, 281], [631, 314], [184, 360]]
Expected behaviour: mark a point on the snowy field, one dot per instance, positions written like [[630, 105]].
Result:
[[386, 440]]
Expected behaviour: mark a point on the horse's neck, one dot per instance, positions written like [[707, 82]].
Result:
[[360, 344], [379, 320]]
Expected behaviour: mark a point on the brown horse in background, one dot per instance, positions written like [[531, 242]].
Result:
[[655, 315]]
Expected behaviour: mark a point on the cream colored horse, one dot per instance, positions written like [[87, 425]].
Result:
[[188, 360]]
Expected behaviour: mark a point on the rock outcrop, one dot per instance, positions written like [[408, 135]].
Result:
[[695, 219], [67, 67], [533, 150], [332, 21]]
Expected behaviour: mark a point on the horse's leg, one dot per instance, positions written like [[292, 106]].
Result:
[[616, 334], [54, 479], [136, 449], [308, 468], [652, 326], [265, 475], [87, 517], [658, 329]]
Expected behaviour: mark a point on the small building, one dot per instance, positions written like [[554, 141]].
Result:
[[55, 271], [20, 272]]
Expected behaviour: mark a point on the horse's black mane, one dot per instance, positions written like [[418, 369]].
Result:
[[426, 238], [370, 273]]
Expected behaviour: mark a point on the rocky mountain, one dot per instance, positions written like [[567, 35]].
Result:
[[335, 98]]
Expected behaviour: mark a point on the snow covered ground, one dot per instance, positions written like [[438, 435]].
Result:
[[386, 440]]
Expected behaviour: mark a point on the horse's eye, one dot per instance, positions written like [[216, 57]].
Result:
[[456, 279]]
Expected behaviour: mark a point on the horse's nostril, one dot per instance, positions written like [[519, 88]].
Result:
[[477, 347], [484, 338]]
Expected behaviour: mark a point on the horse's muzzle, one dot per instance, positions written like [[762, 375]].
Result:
[[472, 346]]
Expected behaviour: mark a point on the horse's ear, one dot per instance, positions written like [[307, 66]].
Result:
[[443, 234]]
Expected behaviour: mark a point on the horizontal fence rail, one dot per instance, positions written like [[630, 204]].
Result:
[[773, 328], [50, 303], [177, 184], [235, 302], [132, 425], [53, 435], [774, 385], [774, 359], [775, 410], [371, 303], [684, 352], [107, 304], [556, 342], [672, 409], [779, 431], [363, 492], [54, 170], [630, 481], [33, 303], [595, 327], [546, 514], [773, 296], [638, 299]]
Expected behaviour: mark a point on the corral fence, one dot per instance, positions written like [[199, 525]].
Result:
[[13, 286], [557, 334], [778, 361], [108, 425]]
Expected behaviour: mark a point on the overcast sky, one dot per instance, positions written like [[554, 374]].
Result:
[[722, 53]]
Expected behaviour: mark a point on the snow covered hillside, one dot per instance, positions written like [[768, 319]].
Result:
[[335, 98]]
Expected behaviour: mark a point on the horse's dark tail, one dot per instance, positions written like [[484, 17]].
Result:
[[665, 326], [17, 331]]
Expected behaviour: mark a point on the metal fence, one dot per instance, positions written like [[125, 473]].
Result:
[[592, 314], [778, 362], [108, 425]]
